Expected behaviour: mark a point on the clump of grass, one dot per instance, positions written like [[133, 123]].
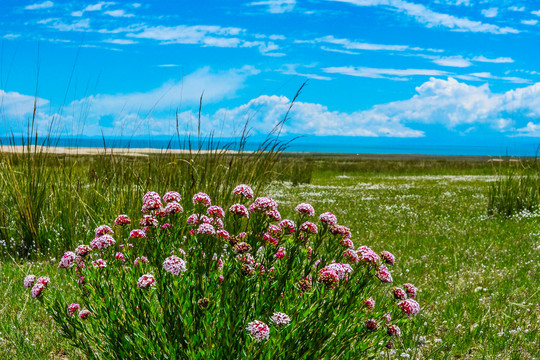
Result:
[[516, 189]]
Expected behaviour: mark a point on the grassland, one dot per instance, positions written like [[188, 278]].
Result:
[[478, 276]]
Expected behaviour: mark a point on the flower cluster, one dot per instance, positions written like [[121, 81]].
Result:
[[172, 196], [305, 209], [263, 204], [258, 330], [37, 285], [243, 190], [174, 265], [102, 242], [202, 199], [280, 319], [145, 281], [122, 220]]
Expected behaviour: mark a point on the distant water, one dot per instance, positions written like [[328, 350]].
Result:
[[334, 144]]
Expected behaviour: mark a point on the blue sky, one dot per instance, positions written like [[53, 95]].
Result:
[[460, 69]]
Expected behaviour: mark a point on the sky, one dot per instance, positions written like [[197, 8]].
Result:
[[383, 70]]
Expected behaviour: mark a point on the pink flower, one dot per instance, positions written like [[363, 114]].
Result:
[[273, 215], [388, 257], [151, 195], [217, 222], [241, 236], [263, 204], [346, 242], [309, 227], [305, 209], [280, 255], [43, 280], [103, 229], [67, 259], [73, 308], [221, 279], [240, 210], [146, 281], [215, 211], [393, 330], [174, 265], [342, 270], [140, 260], [202, 199], [206, 229], [368, 255], [242, 248], [148, 220], [280, 319], [328, 218], [29, 281], [351, 256], [410, 307], [274, 230], [411, 290], [258, 330], [137, 234], [243, 190], [120, 256], [152, 204], [288, 226], [173, 208], [37, 289], [193, 219], [328, 277], [99, 263], [84, 314], [122, 220], [223, 234], [387, 318], [83, 250], [340, 230], [102, 242], [372, 324], [383, 274], [269, 239], [172, 196], [370, 303], [399, 294]]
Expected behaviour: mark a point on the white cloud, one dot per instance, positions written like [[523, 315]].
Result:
[[353, 45], [37, 6], [118, 13], [290, 69], [204, 35], [168, 65], [197, 34], [18, 105], [490, 13], [392, 74], [120, 41], [487, 75], [453, 61], [81, 25], [529, 22], [11, 36], [433, 19], [98, 7], [95, 7], [537, 12], [215, 85], [276, 6], [516, 8], [498, 60]]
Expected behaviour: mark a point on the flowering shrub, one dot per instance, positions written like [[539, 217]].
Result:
[[229, 284]]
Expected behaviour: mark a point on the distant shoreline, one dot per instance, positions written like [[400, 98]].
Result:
[[64, 150]]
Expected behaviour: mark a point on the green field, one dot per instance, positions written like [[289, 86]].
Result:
[[478, 276]]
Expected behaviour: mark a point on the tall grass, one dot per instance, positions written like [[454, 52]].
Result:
[[52, 201], [516, 189]]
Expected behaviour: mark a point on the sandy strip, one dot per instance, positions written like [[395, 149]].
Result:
[[102, 151]]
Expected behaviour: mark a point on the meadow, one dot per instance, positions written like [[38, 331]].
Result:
[[477, 273]]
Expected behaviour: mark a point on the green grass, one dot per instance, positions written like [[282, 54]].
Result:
[[478, 275]]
